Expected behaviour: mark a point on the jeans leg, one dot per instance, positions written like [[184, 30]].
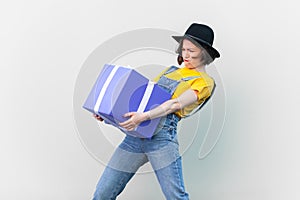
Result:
[[163, 154], [171, 181], [120, 170], [111, 184]]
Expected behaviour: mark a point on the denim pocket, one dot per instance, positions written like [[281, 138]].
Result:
[[172, 132], [169, 85], [167, 129], [167, 133]]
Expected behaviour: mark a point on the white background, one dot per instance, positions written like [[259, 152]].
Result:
[[44, 43]]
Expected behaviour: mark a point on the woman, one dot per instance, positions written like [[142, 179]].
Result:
[[190, 87]]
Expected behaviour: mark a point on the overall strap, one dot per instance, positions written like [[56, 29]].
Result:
[[202, 104], [171, 69], [190, 78], [174, 68]]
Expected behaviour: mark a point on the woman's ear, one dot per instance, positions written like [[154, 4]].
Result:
[[179, 59]]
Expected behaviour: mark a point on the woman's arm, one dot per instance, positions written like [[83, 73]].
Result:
[[170, 106], [173, 105]]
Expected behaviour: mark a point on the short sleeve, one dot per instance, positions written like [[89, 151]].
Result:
[[203, 88]]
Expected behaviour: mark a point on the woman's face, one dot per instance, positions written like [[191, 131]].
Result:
[[191, 54]]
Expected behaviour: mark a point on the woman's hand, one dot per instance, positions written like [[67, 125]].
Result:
[[134, 120], [98, 117]]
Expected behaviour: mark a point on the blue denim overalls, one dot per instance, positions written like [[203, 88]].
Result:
[[161, 151]]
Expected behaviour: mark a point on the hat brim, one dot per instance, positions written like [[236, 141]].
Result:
[[212, 51]]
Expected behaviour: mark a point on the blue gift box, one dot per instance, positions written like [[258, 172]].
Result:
[[119, 90]]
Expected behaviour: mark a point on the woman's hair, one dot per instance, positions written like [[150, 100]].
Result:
[[205, 57]]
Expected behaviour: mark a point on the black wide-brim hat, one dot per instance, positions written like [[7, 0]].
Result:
[[203, 35]]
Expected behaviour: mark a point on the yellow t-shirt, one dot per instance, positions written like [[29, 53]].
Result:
[[203, 85]]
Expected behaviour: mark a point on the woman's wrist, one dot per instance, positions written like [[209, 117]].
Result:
[[146, 115]]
